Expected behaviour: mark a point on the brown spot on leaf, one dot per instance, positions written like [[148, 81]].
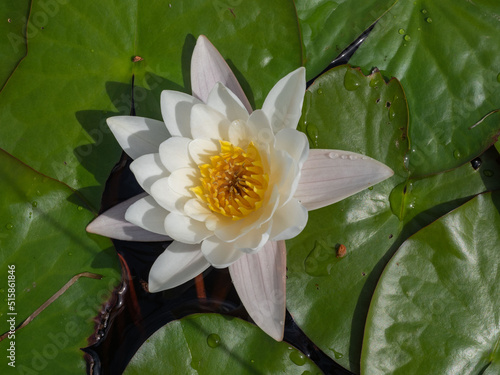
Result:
[[341, 251], [137, 58]]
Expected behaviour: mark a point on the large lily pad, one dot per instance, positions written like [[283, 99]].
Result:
[[42, 234], [79, 68], [216, 344], [444, 55], [371, 224], [435, 309], [328, 27]]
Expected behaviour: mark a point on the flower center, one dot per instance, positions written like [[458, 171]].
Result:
[[233, 183]]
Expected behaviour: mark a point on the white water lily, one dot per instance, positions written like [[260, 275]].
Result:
[[229, 184]]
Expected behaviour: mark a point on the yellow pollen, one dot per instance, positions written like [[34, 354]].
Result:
[[233, 183]]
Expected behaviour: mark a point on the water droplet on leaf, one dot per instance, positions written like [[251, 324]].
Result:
[[456, 154], [9, 226], [80, 208], [352, 80], [312, 133], [392, 113], [401, 31], [320, 259], [298, 358], [407, 38], [376, 81], [424, 11], [428, 20], [320, 91], [34, 204], [213, 340], [337, 354], [488, 173]]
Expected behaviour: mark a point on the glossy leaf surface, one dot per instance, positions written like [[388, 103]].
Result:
[[73, 79], [443, 55], [217, 344], [371, 224], [328, 27], [42, 234], [435, 308]]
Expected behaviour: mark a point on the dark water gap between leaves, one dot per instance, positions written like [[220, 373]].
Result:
[[137, 314]]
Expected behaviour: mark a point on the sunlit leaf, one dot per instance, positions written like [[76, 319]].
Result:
[[435, 308]]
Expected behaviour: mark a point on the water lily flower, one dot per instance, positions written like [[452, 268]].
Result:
[[229, 184]]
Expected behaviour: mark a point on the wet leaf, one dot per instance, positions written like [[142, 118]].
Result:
[[443, 54], [216, 344], [328, 27], [371, 224]]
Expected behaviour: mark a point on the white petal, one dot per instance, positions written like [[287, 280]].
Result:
[[184, 229], [220, 254], [285, 174], [176, 265], [260, 281], [112, 224], [148, 169], [200, 150], [138, 135], [147, 214], [174, 153], [329, 176], [197, 210], [255, 239], [295, 143], [227, 103], [176, 112], [167, 198], [207, 68], [283, 104], [260, 128], [207, 123], [288, 221], [183, 179], [237, 134]]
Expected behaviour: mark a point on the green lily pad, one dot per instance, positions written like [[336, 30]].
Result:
[[13, 39], [329, 296], [328, 27], [445, 56], [216, 344], [42, 235], [435, 309], [79, 69]]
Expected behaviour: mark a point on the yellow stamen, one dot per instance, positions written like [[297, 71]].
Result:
[[234, 183]]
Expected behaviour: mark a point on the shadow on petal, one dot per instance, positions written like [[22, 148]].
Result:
[[260, 280]]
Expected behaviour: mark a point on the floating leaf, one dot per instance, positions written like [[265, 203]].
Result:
[[328, 27], [42, 235], [435, 308], [372, 224], [79, 69], [216, 344], [449, 67]]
